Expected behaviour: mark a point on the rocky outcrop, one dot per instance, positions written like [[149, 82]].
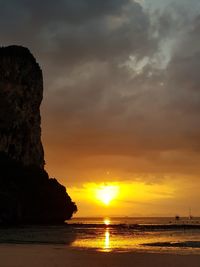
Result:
[[27, 195], [21, 91]]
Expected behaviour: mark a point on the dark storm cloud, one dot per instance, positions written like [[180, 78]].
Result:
[[75, 31], [151, 117], [73, 12], [119, 81]]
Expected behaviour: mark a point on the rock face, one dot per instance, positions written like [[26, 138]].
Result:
[[21, 91], [27, 195]]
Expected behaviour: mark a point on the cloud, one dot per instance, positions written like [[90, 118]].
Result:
[[121, 83]]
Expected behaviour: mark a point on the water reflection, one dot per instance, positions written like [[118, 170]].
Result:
[[38, 234], [109, 237], [98, 238], [107, 240]]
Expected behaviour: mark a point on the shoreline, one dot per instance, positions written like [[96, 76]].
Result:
[[62, 256]]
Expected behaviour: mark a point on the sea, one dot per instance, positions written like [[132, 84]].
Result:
[[114, 234]]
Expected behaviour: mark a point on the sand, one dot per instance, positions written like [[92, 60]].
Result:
[[61, 256]]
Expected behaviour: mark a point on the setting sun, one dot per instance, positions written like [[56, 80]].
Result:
[[106, 221], [106, 193]]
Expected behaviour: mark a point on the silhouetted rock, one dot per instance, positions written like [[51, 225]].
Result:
[[27, 195]]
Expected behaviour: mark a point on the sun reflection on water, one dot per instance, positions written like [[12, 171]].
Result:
[[107, 240], [106, 246], [107, 237]]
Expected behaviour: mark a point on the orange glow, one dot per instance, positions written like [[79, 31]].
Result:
[[120, 199], [107, 221], [106, 193]]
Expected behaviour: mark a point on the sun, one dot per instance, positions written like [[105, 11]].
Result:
[[106, 221], [106, 193]]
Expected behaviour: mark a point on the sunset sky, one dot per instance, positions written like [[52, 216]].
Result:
[[121, 104]]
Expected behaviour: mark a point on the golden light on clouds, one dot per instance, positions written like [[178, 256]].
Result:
[[121, 198]]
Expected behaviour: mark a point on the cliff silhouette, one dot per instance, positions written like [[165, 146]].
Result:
[[27, 194]]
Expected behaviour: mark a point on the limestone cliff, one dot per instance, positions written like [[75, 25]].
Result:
[[27, 195], [21, 91]]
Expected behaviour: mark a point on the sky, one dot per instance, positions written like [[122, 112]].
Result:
[[121, 101]]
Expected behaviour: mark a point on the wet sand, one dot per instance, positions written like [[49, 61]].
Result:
[[61, 256]]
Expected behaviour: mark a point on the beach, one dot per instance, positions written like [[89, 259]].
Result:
[[62, 256], [92, 243]]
